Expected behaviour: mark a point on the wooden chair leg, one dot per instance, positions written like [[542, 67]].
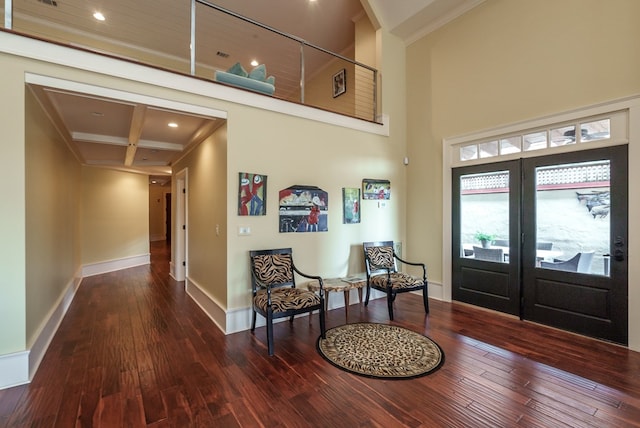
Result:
[[346, 305], [253, 321], [425, 298], [270, 334], [366, 300], [390, 298], [322, 325]]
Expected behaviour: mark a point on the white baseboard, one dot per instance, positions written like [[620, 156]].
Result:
[[208, 304], [50, 325], [117, 264], [19, 368], [14, 369], [236, 320]]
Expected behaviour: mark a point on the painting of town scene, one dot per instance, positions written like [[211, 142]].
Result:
[[303, 209]]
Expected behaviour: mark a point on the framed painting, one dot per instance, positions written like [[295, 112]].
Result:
[[350, 205], [303, 209], [339, 83], [376, 189], [252, 194]]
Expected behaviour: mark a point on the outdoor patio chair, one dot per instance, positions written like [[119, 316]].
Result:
[[274, 290], [581, 262], [383, 275], [489, 254]]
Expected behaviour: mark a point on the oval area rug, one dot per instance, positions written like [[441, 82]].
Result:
[[380, 351]]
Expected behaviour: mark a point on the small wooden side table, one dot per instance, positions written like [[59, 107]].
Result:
[[339, 284]]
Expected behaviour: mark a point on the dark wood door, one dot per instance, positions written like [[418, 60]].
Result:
[[560, 229], [486, 200], [584, 290]]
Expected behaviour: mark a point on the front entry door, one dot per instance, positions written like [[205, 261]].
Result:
[[585, 288], [557, 229], [486, 204]]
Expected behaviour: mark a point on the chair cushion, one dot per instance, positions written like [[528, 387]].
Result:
[[380, 256], [286, 298], [273, 268], [399, 280]]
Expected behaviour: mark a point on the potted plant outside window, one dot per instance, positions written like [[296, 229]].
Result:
[[485, 239]]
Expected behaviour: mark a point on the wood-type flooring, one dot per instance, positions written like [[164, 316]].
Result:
[[134, 350]]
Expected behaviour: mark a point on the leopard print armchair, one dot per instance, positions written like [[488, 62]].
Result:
[[274, 292], [383, 275]]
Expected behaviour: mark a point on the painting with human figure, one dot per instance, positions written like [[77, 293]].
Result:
[[303, 209], [350, 205], [252, 194]]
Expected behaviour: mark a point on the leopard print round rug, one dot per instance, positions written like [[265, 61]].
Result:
[[381, 351]]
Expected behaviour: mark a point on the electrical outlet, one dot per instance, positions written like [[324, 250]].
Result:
[[244, 230]]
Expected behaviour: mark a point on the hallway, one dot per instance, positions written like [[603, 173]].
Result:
[[135, 350]]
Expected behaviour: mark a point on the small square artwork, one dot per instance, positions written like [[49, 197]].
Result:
[[252, 194]]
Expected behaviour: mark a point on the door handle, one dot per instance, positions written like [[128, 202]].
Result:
[[618, 253]]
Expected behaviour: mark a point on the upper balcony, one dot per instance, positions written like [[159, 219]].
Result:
[[202, 39]]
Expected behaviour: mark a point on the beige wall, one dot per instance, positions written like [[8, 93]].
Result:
[[115, 215], [291, 151], [503, 62], [12, 194], [52, 214], [207, 215]]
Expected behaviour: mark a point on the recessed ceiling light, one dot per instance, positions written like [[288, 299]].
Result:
[[254, 63], [99, 16], [172, 125]]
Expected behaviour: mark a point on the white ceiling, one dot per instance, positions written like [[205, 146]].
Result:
[[135, 137]]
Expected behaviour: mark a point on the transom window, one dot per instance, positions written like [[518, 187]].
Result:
[[606, 128]]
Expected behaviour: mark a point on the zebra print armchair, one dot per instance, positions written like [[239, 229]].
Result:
[[383, 275], [274, 290]]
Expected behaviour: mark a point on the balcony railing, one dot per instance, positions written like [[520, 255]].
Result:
[[198, 38]]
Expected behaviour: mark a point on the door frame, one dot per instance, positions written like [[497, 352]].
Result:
[[179, 247], [630, 105]]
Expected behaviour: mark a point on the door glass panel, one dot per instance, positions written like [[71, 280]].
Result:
[[572, 217], [489, 149], [535, 141], [510, 145], [469, 152], [563, 136], [598, 130], [484, 216]]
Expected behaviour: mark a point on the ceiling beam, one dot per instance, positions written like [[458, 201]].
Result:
[[137, 122]]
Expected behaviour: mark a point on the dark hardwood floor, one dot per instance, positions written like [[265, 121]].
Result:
[[134, 350]]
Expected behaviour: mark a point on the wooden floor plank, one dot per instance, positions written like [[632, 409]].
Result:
[[135, 350]]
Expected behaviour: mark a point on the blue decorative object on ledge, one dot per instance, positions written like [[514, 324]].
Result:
[[256, 80]]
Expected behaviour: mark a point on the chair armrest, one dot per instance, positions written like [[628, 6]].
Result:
[[316, 277], [424, 267]]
